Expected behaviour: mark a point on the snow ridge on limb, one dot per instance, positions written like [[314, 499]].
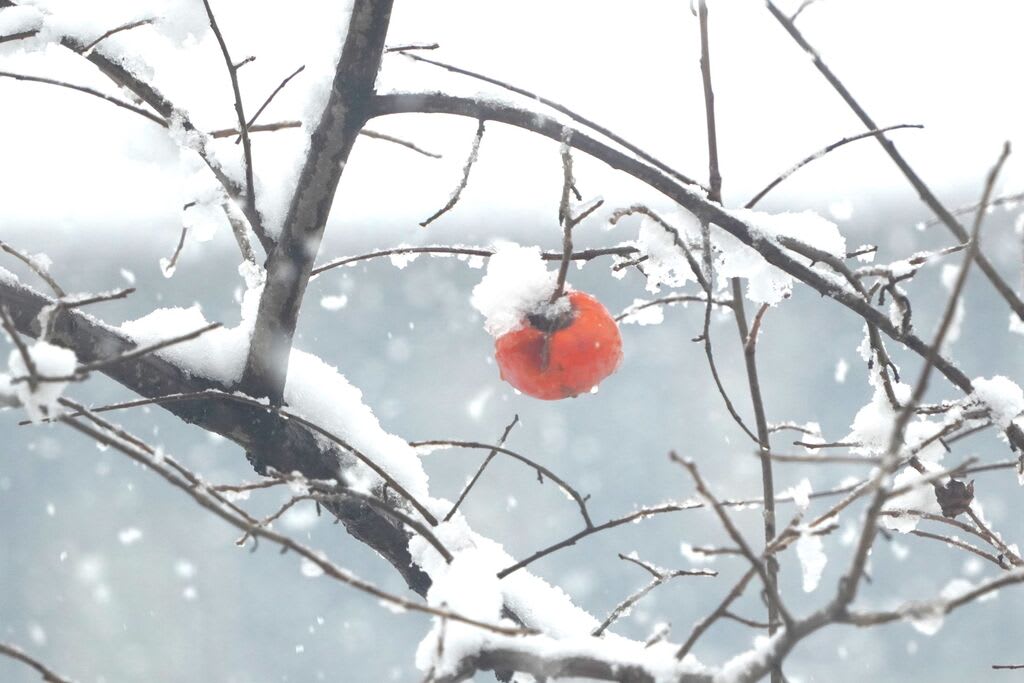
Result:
[[566, 643], [785, 254]]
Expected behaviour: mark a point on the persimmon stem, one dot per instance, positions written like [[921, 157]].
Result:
[[564, 215]]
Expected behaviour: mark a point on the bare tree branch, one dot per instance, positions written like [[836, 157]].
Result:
[[772, 252], [399, 141], [923, 191], [542, 471], [474, 152], [770, 585], [88, 91], [442, 250], [817, 155], [114, 31], [290, 263], [250, 186], [199, 495], [116, 70], [20, 655], [153, 377], [480, 470], [244, 128], [256, 128], [579, 118], [660, 577]]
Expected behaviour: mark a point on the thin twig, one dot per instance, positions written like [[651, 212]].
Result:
[[399, 141], [831, 459], [579, 118], [923, 191], [172, 263], [668, 301], [660, 577], [267, 101], [564, 217], [542, 471], [749, 340], [993, 538], [19, 344], [591, 530], [704, 283], [411, 46], [963, 545], [257, 128], [474, 152], [77, 301], [86, 368], [939, 519], [939, 606], [483, 466], [750, 343], [743, 620], [198, 494], [971, 255], [208, 394], [21, 35], [849, 584], [759, 566], [767, 570], [34, 265], [113, 31], [832, 444], [803, 5], [250, 186], [88, 91], [240, 228], [1011, 199], [20, 655], [720, 611], [714, 175], [48, 316], [441, 250], [817, 155], [119, 432]]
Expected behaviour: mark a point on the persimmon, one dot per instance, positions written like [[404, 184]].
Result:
[[563, 355]]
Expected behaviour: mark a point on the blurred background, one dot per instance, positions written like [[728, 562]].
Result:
[[111, 576]]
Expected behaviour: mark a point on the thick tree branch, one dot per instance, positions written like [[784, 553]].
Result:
[[559, 665], [291, 261], [922, 189], [121, 74], [773, 252], [248, 426]]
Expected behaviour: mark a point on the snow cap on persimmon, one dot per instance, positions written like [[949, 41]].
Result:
[[517, 284], [548, 350]]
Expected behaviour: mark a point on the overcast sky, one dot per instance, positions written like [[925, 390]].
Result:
[[70, 162], [73, 168]]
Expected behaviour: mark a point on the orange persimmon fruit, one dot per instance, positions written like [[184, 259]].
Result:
[[561, 357]]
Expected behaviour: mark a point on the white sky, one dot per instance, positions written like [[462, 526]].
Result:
[[70, 162]]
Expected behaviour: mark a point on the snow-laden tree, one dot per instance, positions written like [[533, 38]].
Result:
[[271, 178]]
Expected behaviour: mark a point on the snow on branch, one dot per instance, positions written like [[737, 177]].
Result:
[[307, 429]]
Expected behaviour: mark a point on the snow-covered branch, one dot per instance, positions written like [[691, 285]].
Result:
[[771, 250], [291, 261]]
